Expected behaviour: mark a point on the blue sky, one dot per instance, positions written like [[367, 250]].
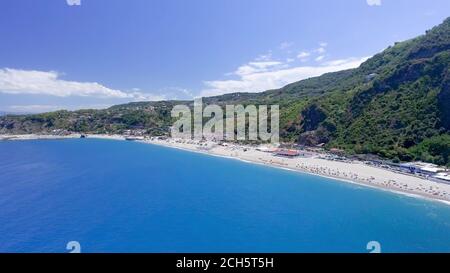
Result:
[[104, 52]]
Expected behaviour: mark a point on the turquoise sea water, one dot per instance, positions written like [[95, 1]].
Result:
[[114, 196]]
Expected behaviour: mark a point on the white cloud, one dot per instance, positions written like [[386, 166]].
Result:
[[374, 2], [303, 55], [286, 45], [33, 82], [41, 108], [290, 60], [264, 65], [264, 57], [34, 108], [73, 2], [176, 93], [319, 58], [321, 50], [276, 77], [256, 67], [339, 62], [140, 96]]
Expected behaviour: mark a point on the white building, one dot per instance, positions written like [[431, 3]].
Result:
[[443, 176], [424, 168]]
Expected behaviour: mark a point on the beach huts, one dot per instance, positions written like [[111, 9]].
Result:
[[134, 138], [431, 171], [266, 149], [287, 153], [443, 176], [422, 168]]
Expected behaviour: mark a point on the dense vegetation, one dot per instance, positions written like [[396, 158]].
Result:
[[395, 105]]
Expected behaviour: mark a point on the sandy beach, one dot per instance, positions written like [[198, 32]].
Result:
[[352, 171]]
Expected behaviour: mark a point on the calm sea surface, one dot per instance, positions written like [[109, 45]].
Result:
[[114, 196]]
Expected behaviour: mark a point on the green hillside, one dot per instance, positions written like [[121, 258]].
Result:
[[395, 105]]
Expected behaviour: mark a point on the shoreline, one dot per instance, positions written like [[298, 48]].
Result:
[[355, 173], [340, 179]]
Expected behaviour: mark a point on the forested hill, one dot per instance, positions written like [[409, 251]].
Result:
[[396, 105]]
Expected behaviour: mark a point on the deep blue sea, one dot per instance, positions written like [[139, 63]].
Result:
[[116, 196]]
